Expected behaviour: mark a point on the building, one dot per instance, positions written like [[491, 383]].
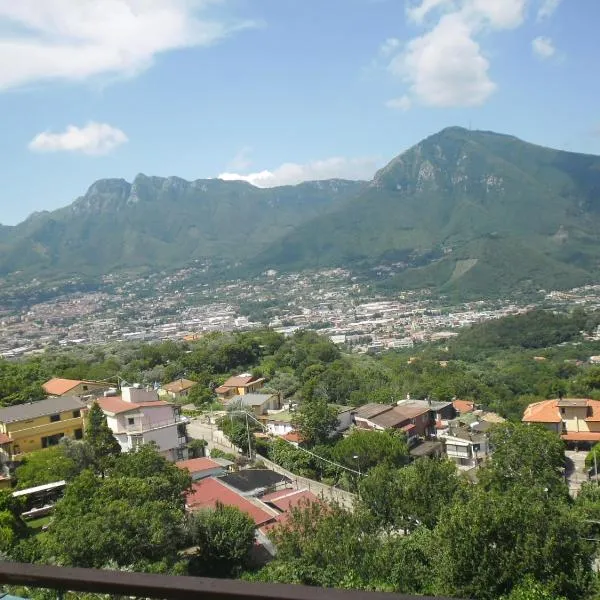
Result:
[[466, 447], [415, 421], [199, 468], [280, 423], [239, 385], [138, 417], [577, 420], [179, 388], [74, 387], [258, 403], [28, 427]]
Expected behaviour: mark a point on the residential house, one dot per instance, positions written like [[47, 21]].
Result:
[[74, 387], [179, 388], [577, 420], [414, 421], [138, 417], [280, 423], [259, 404], [36, 425], [239, 385], [199, 468], [467, 445]]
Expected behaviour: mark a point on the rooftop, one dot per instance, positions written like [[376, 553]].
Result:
[[248, 480], [194, 465], [251, 399], [368, 411], [116, 405], [178, 386], [58, 386], [32, 410]]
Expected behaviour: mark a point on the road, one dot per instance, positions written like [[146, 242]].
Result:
[[575, 470], [200, 430]]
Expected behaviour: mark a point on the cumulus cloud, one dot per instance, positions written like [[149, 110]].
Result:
[[293, 173], [446, 66], [403, 103], [93, 139], [76, 39], [547, 9], [543, 47]]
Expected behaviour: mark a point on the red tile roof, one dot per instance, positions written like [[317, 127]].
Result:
[[463, 406], [291, 499], [181, 385], [207, 492], [194, 465], [57, 386], [581, 436], [116, 405], [292, 436], [545, 411]]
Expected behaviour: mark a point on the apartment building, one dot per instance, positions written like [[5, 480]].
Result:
[[139, 417]]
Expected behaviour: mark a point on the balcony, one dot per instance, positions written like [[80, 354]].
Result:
[[144, 426], [142, 585]]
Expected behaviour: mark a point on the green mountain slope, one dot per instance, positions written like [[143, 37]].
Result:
[[472, 213], [163, 222]]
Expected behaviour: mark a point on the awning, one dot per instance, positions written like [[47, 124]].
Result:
[[581, 436]]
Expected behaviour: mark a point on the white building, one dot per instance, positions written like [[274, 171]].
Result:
[[138, 417]]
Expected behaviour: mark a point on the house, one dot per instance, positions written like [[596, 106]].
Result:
[[259, 404], [138, 417], [280, 423], [179, 388], [207, 492], [239, 385], [440, 411], [199, 468], [413, 421], [466, 447], [577, 420], [74, 387], [36, 425]]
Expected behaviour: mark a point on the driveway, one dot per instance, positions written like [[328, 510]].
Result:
[[575, 470]]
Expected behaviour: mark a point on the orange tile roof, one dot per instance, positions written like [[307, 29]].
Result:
[[545, 411], [57, 386], [293, 498], [198, 464], [594, 411], [179, 386], [581, 436], [116, 405], [463, 406], [292, 436], [207, 492]]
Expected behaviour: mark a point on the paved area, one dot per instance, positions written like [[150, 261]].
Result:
[[575, 470], [200, 430]]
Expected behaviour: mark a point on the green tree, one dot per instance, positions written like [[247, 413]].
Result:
[[45, 466], [100, 439], [315, 421], [12, 527], [532, 590], [197, 448], [224, 537]]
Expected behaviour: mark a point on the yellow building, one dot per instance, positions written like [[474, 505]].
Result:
[[74, 387], [239, 385], [36, 425], [577, 420]]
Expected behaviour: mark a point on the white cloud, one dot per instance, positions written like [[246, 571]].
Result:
[[390, 46], [547, 9], [293, 173], [94, 139], [543, 47], [403, 103], [76, 39], [446, 66]]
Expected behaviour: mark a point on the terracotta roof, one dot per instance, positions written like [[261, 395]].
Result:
[[4, 439], [292, 436], [239, 381], [181, 385], [116, 405], [545, 411], [194, 465], [594, 411], [57, 386], [463, 406], [408, 427], [209, 491], [581, 436]]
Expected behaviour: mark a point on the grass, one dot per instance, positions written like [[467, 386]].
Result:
[[37, 524]]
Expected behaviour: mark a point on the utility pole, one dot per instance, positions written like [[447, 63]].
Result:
[[595, 468], [248, 433]]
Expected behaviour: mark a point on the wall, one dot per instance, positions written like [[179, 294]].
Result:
[[279, 427], [85, 388]]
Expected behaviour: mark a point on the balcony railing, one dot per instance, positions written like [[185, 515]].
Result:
[[143, 426], [142, 585]]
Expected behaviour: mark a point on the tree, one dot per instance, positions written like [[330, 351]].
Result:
[[362, 450], [532, 590], [239, 427], [200, 395], [412, 496], [489, 542], [224, 537], [315, 421], [197, 448], [525, 455], [45, 466], [12, 527], [103, 445]]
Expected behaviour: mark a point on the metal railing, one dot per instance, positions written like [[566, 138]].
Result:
[[169, 587], [145, 425]]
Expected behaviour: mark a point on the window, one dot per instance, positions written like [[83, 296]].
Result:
[[54, 418], [563, 411], [413, 421], [179, 453], [52, 440], [76, 414], [79, 434], [130, 421], [85, 388]]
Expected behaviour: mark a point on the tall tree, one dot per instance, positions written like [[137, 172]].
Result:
[[100, 439], [45, 466], [315, 421]]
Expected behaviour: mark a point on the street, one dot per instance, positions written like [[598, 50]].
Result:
[[575, 470]]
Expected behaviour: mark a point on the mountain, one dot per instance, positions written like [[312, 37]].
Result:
[[468, 213], [159, 222]]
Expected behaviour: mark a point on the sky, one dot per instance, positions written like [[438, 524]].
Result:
[[277, 91]]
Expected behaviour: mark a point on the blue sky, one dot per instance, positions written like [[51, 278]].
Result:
[[277, 91]]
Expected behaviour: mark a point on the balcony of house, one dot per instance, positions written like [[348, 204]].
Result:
[[142, 585], [134, 425]]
